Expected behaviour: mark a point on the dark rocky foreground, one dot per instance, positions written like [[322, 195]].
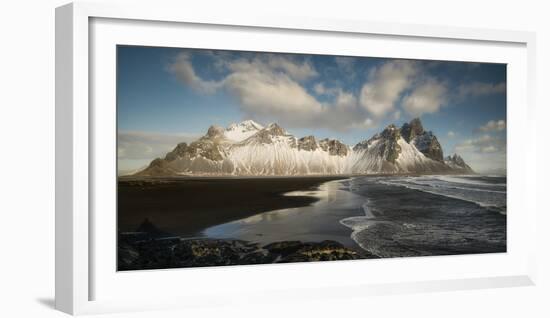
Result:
[[178, 253], [153, 249]]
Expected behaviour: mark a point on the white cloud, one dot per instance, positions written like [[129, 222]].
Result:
[[485, 162], [321, 89], [493, 125], [270, 63], [451, 134], [428, 97], [482, 144], [484, 154], [480, 89], [298, 71], [274, 94], [269, 89], [385, 85], [345, 100], [343, 113], [183, 69]]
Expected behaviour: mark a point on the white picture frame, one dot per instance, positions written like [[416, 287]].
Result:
[[85, 33]]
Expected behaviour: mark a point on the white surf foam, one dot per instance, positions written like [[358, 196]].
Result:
[[358, 224]]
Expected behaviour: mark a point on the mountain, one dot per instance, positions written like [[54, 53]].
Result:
[[457, 164], [424, 141], [248, 148], [390, 152]]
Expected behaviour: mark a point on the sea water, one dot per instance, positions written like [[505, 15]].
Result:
[[430, 215], [393, 216]]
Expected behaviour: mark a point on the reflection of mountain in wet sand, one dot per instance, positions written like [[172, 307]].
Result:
[[316, 222]]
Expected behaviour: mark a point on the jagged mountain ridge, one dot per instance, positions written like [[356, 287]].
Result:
[[249, 148], [458, 164]]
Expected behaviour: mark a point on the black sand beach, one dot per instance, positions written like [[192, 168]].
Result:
[[185, 206]]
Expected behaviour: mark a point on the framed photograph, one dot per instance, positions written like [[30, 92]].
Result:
[[238, 155]]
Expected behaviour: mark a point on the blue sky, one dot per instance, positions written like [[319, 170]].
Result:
[[166, 95]]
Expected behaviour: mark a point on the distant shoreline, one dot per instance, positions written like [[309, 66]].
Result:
[[313, 176]]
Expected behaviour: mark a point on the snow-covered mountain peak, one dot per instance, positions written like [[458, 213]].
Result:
[[251, 123], [273, 133], [241, 131], [247, 124]]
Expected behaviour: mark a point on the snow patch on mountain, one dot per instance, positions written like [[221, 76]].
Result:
[[241, 131]]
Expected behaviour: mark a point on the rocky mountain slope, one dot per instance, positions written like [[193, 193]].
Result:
[[249, 149]]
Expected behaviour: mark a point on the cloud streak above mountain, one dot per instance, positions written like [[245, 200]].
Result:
[[269, 88], [282, 88], [184, 71], [385, 85], [485, 152], [483, 144], [481, 89], [427, 97], [493, 125]]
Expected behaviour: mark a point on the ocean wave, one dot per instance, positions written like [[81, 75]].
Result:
[[378, 236], [430, 183], [492, 206], [360, 226], [470, 180], [393, 225]]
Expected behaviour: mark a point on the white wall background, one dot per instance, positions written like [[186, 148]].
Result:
[[27, 158]]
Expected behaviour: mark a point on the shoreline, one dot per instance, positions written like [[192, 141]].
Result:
[[312, 176]]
